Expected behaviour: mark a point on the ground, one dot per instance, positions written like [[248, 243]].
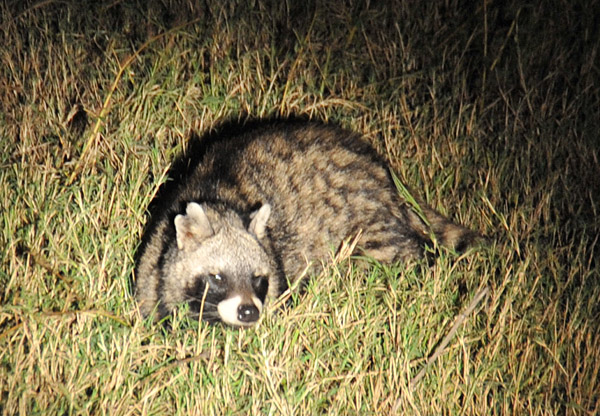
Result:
[[488, 111]]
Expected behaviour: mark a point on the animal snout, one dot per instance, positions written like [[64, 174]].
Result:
[[248, 313]]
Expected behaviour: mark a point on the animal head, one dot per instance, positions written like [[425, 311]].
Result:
[[218, 265]]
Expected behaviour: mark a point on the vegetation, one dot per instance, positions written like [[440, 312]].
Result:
[[489, 110]]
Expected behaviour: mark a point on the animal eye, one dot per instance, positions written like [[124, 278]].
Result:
[[259, 280], [260, 284], [216, 278]]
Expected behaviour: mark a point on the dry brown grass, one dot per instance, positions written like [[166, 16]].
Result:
[[491, 112]]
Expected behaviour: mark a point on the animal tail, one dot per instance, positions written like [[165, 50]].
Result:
[[433, 226], [443, 231]]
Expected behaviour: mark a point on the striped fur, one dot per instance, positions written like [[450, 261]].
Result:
[[311, 186]]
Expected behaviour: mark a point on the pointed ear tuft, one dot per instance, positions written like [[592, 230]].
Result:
[[258, 224], [193, 227]]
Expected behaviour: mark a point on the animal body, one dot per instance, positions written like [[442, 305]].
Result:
[[263, 205]]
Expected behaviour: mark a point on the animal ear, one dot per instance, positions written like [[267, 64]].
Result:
[[259, 217], [192, 227]]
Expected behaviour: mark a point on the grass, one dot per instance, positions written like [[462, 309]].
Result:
[[491, 112]]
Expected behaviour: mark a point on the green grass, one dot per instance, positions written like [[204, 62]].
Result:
[[491, 113]]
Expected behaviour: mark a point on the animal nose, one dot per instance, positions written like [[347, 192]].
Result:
[[248, 313]]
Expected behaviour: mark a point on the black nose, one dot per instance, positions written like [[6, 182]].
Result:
[[248, 313]]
